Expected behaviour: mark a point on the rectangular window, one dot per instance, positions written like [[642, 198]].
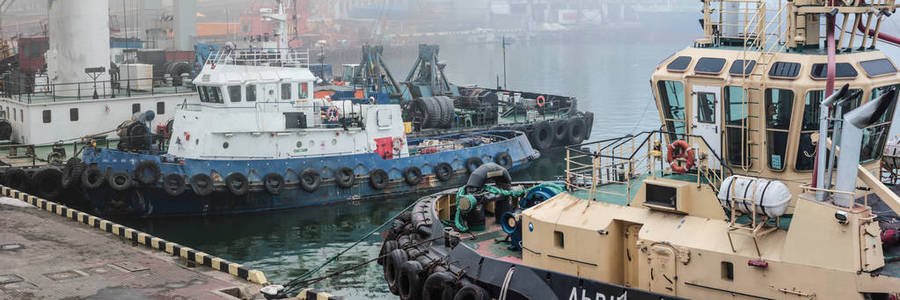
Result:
[[73, 114], [21, 116], [779, 105], [204, 96], [285, 91], [135, 108], [160, 108], [13, 113], [234, 93], [215, 95], [251, 93], [559, 239], [47, 116], [706, 107], [810, 124], [727, 271], [304, 90], [671, 95], [736, 106], [875, 136]]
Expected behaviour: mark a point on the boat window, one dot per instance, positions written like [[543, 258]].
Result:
[[810, 124], [779, 105], [559, 239], [709, 65], [47, 116], [679, 64], [738, 68], [135, 108], [304, 90], [251, 93], [735, 116], [671, 95], [160, 108], [285, 91], [875, 136], [13, 113], [707, 107], [841, 70], [234, 93], [22, 115], [727, 271], [203, 94], [787, 70], [878, 67], [73, 114]]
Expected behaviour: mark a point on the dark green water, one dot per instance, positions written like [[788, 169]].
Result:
[[610, 78]]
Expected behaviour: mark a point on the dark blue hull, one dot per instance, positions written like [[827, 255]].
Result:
[[153, 201]]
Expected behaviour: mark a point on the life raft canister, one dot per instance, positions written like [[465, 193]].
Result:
[[680, 149]]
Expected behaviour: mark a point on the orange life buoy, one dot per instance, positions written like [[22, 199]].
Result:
[[680, 149], [332, 114], [541, 100]]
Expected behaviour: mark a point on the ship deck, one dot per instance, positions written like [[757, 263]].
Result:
[[45, 98]]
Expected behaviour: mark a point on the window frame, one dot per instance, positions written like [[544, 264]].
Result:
[[73, 114], [161, 108], [730, 124], [232, 91], [250, 93], [47, 116], [785, 131], [286, 87], [669, 119]]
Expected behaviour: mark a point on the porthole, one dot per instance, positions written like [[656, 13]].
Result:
[[334, 141], [225, 145], [299, 144]]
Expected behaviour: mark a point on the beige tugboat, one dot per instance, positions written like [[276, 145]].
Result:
[[762, 184]]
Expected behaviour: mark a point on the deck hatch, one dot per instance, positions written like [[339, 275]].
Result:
[[738, 67], [878, 67], [785, 70], [710, 65], [680, 64], [842, 70]]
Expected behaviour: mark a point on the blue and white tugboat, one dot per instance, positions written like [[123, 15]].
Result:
[[259, 141]]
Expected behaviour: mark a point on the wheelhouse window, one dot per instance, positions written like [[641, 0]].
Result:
[[736, 148], [779, 105], [250, 92], [810, 124], [304, 90], [210, 94], [671, 97], [204, 96], [285, 91], [875, 136], [234, 93]]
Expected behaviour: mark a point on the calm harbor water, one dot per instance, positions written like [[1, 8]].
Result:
[[610, 79]]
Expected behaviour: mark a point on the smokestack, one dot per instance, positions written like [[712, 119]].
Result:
[[851, 142], [185, 24], [79, 39]]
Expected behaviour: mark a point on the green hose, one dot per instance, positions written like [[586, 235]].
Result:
[[461, 194]]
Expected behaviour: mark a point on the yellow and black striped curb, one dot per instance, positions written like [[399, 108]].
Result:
[[175, 249], [314, 294]]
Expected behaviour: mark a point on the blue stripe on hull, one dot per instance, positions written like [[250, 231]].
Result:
[[153, 201]]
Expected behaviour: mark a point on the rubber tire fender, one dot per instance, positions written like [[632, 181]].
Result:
[[436, 283], [443, 171], [71, 173], [588, 124], [437, 113], [541, 136], [237, 184], [345, 177], [471, 292], [16, 178], [202, 184], [504, 160], [92, 178], [392, 267], [147, 172], [173, 184], [120, 181], [473, 163], [48, 183], [378, 179], [310, 180], [480, 176], [410, 280], [412, 175], [273, 183], [386, 248], [576, 131], [560, 131]]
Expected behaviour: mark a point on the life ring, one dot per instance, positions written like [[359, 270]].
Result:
[[378, 179], [473, 163], [386, 248], [147, 172], [310, 180], [680, 149], [504, 160], [443, 171], [398, 144], [410, 280], [436, 284], [202, 184], [173, 184], [47, 182], [273, 183], [71, 173], [344, 177], [332, 114], [92, 178], [471, 292], [119, 181], [237, 184], [391, 269], [541, 101], [412, 175]]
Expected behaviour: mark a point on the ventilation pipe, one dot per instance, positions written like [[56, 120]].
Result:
[[822, 146], [851, 143], [836, 137]]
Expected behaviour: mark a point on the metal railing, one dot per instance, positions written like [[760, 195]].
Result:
[[85, 91], [269, 57], [624, 160]]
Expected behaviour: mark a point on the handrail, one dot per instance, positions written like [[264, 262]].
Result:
[[84, 90]]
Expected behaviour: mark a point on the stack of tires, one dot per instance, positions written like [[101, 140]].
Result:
[[434, 112], [560, 132]]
